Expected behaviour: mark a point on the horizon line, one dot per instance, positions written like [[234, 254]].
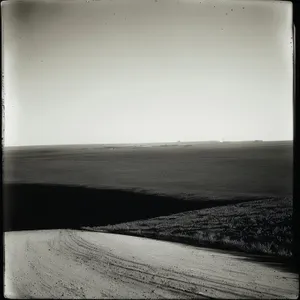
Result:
[[149, 143]]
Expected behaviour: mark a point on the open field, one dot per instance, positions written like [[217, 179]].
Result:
[[235, 196], [204, 170], [93, 186]]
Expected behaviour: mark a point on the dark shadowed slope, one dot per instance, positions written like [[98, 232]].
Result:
[[38, 206]]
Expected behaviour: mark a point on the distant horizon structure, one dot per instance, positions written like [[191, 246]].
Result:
[[113, 145]]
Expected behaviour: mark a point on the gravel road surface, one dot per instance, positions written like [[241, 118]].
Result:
[[82, 264]]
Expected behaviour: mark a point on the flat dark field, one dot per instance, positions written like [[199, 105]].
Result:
[[209, 170]]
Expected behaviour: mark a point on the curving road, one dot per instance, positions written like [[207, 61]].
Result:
[[79, 264]]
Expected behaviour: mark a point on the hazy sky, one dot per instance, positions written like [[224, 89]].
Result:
[[133, 71]]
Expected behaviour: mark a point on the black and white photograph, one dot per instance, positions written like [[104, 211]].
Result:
[[148, 149]]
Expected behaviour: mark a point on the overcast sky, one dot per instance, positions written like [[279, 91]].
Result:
[[133, 71]]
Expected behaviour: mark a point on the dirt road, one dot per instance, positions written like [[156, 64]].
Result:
[[78, 264]]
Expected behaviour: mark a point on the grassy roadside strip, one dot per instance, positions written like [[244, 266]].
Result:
[[257, 227]]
